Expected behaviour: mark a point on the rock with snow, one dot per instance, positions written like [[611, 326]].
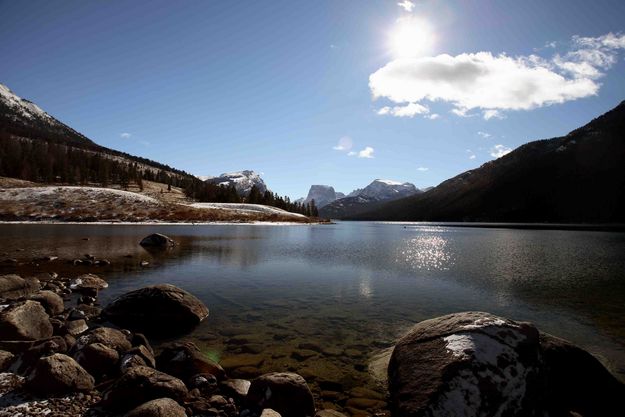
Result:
[[243, 181], [285, 392], [25, 321], [476, 364], [162, 309], [469, 364]]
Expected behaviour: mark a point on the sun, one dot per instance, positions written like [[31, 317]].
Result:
[[411, 37]]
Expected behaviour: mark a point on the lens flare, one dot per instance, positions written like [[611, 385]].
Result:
[[411, 37]]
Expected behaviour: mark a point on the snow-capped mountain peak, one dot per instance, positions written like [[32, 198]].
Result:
[[243, 181], [23, 107]]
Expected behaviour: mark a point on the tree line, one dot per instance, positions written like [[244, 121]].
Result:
[[52, 162]]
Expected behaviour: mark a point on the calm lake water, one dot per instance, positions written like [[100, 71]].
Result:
[[351, 288]]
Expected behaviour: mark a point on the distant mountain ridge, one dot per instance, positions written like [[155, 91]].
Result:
[[577, 178], [364, 199]]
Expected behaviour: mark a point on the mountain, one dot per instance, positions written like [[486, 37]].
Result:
[[577, 178], [243, 181], [365, 199], [25, 129], [322, 194]]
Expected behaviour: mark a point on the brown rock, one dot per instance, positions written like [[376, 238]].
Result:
[[160, 407], [98, 359], [25, 321], [141, 384], [108, 336], [157, 240], [285, 392], [13, 286], [58, 374], [51, 302], [6, 359]]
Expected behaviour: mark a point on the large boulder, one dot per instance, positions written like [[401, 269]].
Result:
[[476, 364], [285, 392], [577, 381], [51, 302], [25, 321], [13, 286], [58, 374], [184, 360], [141, 384], [469, 364], [157, 240], [161, 309], [161, 407]]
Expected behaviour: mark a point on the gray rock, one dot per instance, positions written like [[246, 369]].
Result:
[[268, 412], [141, 384], [76, 327], [236, 388], [13, 286], [161, 407], [88, 284], [285, 392], [25, 321], [162, 309], [157, 240], [51, 302], [58, 374]]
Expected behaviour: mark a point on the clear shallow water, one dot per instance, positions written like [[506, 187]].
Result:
[[352, 288]]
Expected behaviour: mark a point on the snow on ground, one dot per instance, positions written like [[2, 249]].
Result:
[[246, 208], [94, 194]]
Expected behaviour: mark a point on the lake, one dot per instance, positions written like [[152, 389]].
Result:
[[323, 300]]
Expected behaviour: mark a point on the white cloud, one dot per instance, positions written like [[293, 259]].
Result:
[[409, 110], [406, 5], [485, 135], [344, 144], [492, 114], [493, 84], [423, 169], [125, 135], [472, 156], [433, 116], [365, 153], [498, 151]]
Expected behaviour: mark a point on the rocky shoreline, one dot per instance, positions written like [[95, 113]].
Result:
[[61, 353]]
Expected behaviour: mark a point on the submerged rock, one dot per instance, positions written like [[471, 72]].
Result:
[[184, 360], [162, 309], [58, 374], [478, 364], [157, 240], [25, 321], [285, 392]]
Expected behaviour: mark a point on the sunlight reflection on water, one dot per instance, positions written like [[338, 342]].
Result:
[[427, 252]]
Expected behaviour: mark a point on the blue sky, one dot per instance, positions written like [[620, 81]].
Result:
[[273, 86]]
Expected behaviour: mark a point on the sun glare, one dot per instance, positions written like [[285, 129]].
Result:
[[411, 37]]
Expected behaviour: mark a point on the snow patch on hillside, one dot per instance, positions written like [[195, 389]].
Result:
[[94, 194], [246, 208]]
